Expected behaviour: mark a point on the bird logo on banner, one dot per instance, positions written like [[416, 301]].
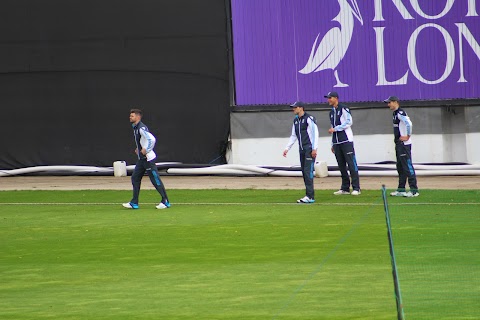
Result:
[[334, 44]]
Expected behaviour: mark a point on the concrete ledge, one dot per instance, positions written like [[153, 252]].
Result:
[[214, 182]]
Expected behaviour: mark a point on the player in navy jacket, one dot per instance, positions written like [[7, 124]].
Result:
[[144, 142], [342, 144], [402, 131], [305, 131]]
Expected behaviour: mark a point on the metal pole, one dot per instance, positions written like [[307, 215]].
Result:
[[396, 280]]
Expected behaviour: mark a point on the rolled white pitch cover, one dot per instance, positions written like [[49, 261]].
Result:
[[120, 169], [321, 169]]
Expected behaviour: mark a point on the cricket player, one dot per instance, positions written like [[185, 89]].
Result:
[[342, 144], [402, 131], [305, 130], [145, 142]]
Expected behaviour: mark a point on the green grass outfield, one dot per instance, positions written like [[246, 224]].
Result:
[[216, 254]]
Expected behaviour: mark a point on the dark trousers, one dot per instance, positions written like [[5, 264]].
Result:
[[307, 164], [405, 167], [141, 166], [345, 154]]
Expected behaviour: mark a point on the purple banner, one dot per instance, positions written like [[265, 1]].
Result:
[[366, 50]]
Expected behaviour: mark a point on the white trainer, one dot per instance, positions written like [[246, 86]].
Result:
[[130, 205], [411, 194], [305, 200], [356, 192], [340, 192], [397, 193], [161, 205]]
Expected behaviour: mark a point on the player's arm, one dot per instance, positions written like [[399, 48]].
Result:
[[313, 135], [291, 141], [347, 120], [405, 136], [149, 140]]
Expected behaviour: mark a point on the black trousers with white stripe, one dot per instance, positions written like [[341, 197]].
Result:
[[141, 167], [307, 163], [345, 154], [405, 167]]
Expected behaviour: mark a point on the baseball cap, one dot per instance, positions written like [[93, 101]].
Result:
[[331, 94], [391, 98], [298, 104]]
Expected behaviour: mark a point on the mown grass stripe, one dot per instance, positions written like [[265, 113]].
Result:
[[240, 203]]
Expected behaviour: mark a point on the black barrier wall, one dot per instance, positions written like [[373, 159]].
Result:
[[71, 70]]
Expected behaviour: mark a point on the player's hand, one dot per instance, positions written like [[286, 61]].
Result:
[[404, 138], [144, 151], [333, 151], [331, 130], [136, 151], [285, 152], [314, 153]]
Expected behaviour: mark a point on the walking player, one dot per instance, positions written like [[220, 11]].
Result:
[[145, 142], [342, 144], [305, 130], [402, 130]]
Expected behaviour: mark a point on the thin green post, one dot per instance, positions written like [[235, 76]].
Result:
[[396, 280]]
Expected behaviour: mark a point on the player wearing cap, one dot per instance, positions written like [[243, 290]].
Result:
[[305, 130], [402, 130], [145, 142], [342, 144]]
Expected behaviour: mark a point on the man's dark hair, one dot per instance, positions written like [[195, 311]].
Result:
[[136, 111]]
